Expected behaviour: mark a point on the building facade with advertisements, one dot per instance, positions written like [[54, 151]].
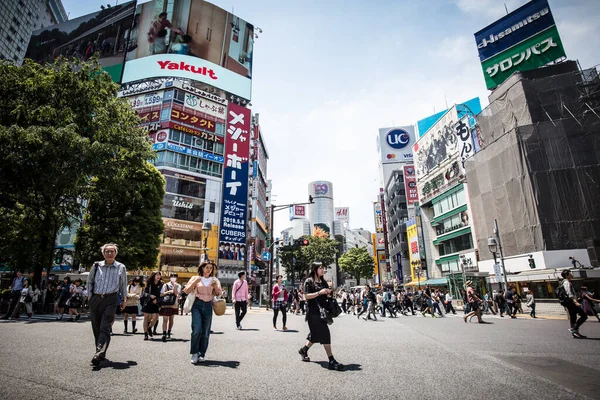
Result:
[[394, 146], [192, 103], [444, 212], [259, 228]]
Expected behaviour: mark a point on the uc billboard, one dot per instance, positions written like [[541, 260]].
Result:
[[523, 40]]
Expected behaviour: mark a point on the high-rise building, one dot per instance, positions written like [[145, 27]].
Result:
[[321, 213], [20, 19]]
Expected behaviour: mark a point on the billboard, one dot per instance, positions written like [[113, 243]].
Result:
[[472, 106], [437, 145], [342, 214], [395, 144], [378, 217], [297, 212], [410, 185], [234, 206], [320, 189], [191, 39], [413, 246], [104, 33], [525, 39]]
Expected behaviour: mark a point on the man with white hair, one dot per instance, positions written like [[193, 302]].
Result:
[[107, 279]]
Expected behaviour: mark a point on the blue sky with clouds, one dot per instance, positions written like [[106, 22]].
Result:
[[328, 74]]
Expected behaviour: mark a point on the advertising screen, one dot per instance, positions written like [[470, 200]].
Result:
[[525, 39], [104, 33], [191, 39]]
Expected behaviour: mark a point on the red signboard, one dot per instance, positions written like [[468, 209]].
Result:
[[410, 185], [189, 118], [149, 116]]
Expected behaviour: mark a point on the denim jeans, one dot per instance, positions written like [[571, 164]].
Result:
[[202, 313]]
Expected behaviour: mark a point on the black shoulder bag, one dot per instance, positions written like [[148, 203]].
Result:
[[168, 300]]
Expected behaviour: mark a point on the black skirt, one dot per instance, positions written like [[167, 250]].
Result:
[[150, 308], [319, 330], [131, 310]]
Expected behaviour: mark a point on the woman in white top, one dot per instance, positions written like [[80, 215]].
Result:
[[170, 289], [134, 292], [25, 301], [75, 299]]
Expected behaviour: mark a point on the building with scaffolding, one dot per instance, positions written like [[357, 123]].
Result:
[[538, 175]]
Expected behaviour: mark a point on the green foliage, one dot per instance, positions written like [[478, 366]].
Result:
[[61, 127], [357, 262], [124, 209], [319, 249]]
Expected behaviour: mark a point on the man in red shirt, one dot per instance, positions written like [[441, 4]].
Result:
[[158, 25]]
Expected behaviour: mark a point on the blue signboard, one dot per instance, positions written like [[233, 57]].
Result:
[[523, 23], [255, 169], [266, 256], [189, 151]]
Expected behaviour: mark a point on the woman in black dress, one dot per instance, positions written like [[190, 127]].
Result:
[[151, 307], [316, 290]]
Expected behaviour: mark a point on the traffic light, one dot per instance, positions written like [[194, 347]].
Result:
[[531, 262], [58, 259], [310, 199], [303, 242]]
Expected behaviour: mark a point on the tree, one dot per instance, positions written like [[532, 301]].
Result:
[[125, 210], [321, 249], [357, 262], [61, 129]]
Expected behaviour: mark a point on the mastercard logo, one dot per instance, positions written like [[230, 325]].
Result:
[[390, 156]]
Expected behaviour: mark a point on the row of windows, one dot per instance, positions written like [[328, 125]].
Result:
[[193, 141], [454, 200], [463, 242], [189, 163], [450, 266], [452, 223]]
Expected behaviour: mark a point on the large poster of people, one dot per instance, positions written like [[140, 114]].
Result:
[[232, 251], [104, 34]]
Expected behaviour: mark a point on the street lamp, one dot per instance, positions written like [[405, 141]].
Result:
[[495, 246], [418, 272], [206, 228]]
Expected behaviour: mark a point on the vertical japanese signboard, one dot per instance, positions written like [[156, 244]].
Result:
[[410, 185], [235, 177]]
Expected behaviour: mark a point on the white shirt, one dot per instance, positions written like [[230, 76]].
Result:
[[281, 294], [448, 297], [206, 281]]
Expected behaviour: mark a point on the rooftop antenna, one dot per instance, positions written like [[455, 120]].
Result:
[[446, 100], [506, 8]]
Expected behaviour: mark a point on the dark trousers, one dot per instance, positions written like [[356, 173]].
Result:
[[409, 306], [102, 315], [241, 307], [532, 313], [387, 306], [574, 312], [436, 307], [450, 308], [344, 308], [15, 297], [283, 315]]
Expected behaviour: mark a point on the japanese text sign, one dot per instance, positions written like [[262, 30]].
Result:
[[410, 185], [234, 208]]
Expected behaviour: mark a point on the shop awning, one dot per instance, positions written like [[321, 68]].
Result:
[[415, 283], [436, 282]]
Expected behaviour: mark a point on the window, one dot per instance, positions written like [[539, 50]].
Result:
[[450, 202], [187, 139], [212, 206], [220, 128], [450, 224], [463, 242], [174, 135]]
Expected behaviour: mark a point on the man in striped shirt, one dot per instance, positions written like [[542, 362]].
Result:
[[107, 279]]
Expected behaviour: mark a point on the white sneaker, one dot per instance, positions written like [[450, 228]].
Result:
[[194, 359], [200, 359]]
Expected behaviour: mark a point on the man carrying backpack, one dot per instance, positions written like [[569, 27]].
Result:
[[568, 298]]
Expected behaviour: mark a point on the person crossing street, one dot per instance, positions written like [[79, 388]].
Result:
[[108, 278], [240, 298]]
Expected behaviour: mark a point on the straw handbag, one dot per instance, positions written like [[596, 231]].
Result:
[[219, 306]]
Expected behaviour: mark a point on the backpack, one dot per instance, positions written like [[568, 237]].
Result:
[[562, 295]]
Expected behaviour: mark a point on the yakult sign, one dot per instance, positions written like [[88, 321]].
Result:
[[235, 176], [182, 66]]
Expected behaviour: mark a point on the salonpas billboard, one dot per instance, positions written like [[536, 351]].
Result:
[[523, 40]]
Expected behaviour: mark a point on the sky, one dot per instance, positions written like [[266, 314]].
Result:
[[328, 74]]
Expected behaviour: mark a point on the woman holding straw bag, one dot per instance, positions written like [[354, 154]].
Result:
[[202, 288]]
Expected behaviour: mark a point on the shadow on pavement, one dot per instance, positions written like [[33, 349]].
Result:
[[114, 365], [250, 329], [216, 363], [347, 367], [217, 333], [289, 330]]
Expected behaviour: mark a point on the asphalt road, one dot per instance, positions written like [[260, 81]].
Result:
[[407, 357]]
